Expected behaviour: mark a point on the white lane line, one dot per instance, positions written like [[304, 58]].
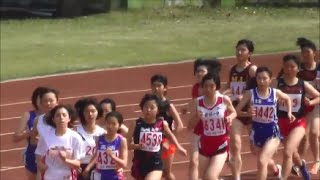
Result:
[[4, 168], [96, 94], [118, 106], [21, 148], [132, 67], [6, 134], [14, 149], [9, 118]]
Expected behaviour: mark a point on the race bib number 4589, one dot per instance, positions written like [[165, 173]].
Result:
[[151, 141]]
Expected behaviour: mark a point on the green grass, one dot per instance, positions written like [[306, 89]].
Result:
[[45, 46]]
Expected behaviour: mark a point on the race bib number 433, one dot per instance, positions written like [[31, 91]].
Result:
[[151, 141]]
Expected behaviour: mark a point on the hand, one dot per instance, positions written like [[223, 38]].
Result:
[[239, 97], [165, 145], [228, 121], [307, 101], [182, 150], [109, 152], [200, 114], [63, 155], [42, 167], [138, 146], [252, 112], [291, 117], [85, 173]]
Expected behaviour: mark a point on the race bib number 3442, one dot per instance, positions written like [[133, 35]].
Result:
[[151, 141]]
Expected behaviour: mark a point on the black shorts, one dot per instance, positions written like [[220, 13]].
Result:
[[141, 168], [83, 167], [244, 120]]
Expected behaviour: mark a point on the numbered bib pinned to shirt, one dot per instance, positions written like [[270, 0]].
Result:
[[237, 89], [151, 141], [105, 161], [264, 114], [214, 127], [296, 103]]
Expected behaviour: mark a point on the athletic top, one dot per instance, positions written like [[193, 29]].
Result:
[[311, 76], [49, 146], [265, 108], [164, 112], [42, 126], [195, 90], [213, 117], [296, 93], [89, 142], [238, 81], [150, 135], [32, 117], [104, 161]]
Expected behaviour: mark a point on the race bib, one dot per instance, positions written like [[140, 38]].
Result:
[[214, 127], [105, 161], [151, 141], [263, 114], [237, 89], [296, 103], [90, 150]]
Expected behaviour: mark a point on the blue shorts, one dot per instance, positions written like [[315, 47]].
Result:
[[261, 133], [30, 159], [111, 174]]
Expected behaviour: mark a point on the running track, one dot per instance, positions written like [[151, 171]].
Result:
[[126, 86]]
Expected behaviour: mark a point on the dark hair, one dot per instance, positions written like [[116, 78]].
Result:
[[160, 78], [252, 83], [78, 105], [306, 43], [286, 58], [149, 97], [292, 57], [264, 69], [212, 64], [115, 114], [47, 90], [83, 104], [51, 114], [215, 77], [109, 101], [35, 95], [248, 43]]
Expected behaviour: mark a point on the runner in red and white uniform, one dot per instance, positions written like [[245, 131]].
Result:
[[212, 109], [200, 68]]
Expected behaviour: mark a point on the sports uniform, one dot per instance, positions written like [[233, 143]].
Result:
[[238, 84], [265, 121], [105, 166], [296, 93], [29, 156], [88, 144], [313, 77], [148, 158], [49, 146], [214, 139]]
